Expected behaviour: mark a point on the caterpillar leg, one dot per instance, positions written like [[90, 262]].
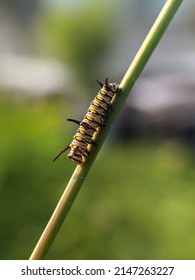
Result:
[[75, 155], [86, 154], [65, 149]]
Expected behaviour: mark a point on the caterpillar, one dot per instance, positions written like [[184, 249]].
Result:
[[95, 117]]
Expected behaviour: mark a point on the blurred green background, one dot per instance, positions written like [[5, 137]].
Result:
[[138, 200]]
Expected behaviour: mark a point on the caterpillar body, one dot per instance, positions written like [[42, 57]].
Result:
[[95, 117]]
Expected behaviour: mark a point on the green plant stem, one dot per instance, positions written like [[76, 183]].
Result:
[[81, 171]]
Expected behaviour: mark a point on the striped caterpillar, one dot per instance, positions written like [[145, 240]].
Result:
[[95, 117]]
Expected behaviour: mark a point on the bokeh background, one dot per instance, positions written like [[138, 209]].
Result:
[[138, 201]]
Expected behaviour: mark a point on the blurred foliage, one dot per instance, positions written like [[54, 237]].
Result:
[[79, 38], [27, 138], [137, 202]]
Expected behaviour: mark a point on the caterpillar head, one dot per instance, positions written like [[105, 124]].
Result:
[[114, 87]]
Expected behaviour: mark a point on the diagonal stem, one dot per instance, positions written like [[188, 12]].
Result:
[[81, 171]]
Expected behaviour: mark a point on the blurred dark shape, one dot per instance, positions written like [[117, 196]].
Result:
[[161, 107], [23, 12], [17, 19]]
